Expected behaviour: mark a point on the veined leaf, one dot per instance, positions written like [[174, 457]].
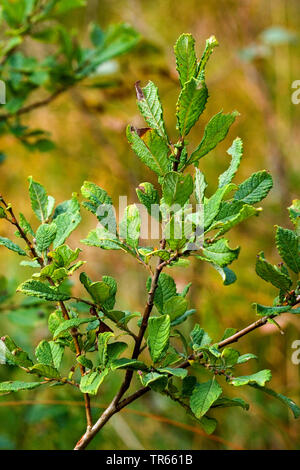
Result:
[[42, 205], [165, 290], [102, 238], [44, 370], [203, 397], [175, 307], [149, 104], [45, 235], [49, 353], [272, 274], [68, 324], [199, 337], [190, 105], [244, 214], [158, 336], [236, 152], [288, 246], [228, 276], [260, 378], [274, 310], [7, 387], [211, 43], [148, 196], [12, 246], [246, 357], [294, 212], [124, 363], [255, 188], [154, 380], [176, 372], [177, 188], [151, 148], [219, 253], [103, 339], [130, 226], [215, 131], [65, 223], [186, 59], [91, 381], [42, 291], [212, 205], [200, 186], [224, 402]]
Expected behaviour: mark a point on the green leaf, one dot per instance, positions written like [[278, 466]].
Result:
[[203, 396], [200, 186], [190, 105], [294, 213], [115, 349], [130, 226], [176, 372], [148, 196], [119, 38], [236, 152], [264, 310], [177, 188], [272, 274], [186, 59], [42, 291], [68, 324], [100, 291], [158, 336], [224, 402], [103, 339], [255, 188], [285, 400], [175, 307], [199, 337], [246, 357], [230, 356], [154, 380], [131, 364], [182, 318], [11, 354], [45, 370], [260, 378], [151, 148], [25, 225], [227, 224], [166, 289], [212, 205], [228, 276], [66, 223], [215, 131], [95, 195], [85, 362], [219, 253], [287, 243], [104, 239], [150, 107], [49, 353], [41, 204], [12, 246], [211, 43], [63, 256], [91, 381], [7, 387], [45, 235]]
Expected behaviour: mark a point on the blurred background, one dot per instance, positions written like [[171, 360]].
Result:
[[252, 71]]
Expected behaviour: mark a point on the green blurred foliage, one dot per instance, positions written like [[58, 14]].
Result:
[[252, 71]]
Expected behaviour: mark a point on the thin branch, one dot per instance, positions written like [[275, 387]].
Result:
[[74, 331], [114, 407]]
